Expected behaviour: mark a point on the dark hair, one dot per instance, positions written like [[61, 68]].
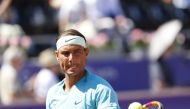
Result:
[[71, 32]]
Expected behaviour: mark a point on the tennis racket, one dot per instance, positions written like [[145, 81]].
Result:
[[153, 105]]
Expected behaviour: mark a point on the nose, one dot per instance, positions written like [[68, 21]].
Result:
[[71, 58]]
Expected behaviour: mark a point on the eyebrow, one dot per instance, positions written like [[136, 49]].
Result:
[[75, 49]]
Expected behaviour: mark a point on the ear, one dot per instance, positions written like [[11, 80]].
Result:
[[87, 51], [56, 54]]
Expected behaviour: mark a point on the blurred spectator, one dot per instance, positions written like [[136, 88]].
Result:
[[138, 43], [11, 91], [176, 9], [71, 12], [5, 11], [97, 9], [110, 22], [101, 24], [47, 76], [13, 35], [160, 48], [182, 4], [29, 14]]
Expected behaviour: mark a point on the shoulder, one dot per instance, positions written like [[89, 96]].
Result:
[[98, 82], [104, 94]]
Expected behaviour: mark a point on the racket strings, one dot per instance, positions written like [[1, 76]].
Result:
[[152, 105]]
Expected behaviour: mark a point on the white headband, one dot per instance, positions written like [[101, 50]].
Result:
[[67, 40]]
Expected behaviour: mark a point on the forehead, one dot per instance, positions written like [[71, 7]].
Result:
[[71, 48]]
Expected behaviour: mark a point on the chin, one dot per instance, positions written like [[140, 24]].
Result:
[[72, 73]]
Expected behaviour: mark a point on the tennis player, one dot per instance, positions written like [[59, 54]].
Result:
[[80, 89]]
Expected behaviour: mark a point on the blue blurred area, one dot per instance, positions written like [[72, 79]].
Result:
[[123, 74]]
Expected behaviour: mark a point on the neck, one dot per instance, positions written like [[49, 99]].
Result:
[[70, 81]]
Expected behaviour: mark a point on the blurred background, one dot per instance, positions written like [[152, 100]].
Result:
[[142, 47]]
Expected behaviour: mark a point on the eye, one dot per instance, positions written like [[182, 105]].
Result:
[[65, 53], [78, 52]]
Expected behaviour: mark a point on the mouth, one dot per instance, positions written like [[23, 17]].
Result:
[[72, 70], [73, 67]]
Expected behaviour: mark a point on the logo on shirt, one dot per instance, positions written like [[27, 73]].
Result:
[[77, 102]]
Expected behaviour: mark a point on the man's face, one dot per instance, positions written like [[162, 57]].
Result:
[[72, 59]]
